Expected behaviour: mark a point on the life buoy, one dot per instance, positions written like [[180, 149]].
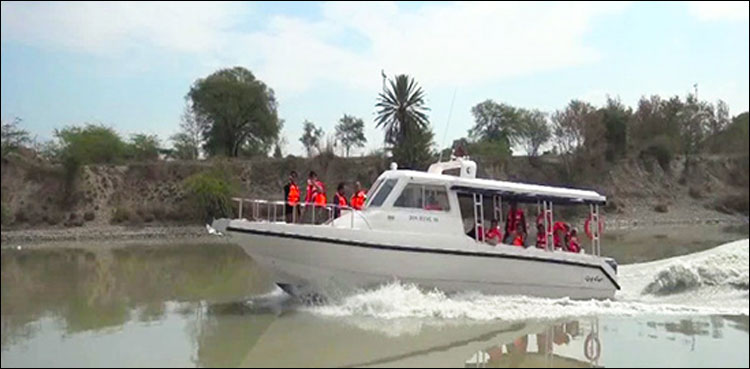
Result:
[[592, 347], [587, 226]]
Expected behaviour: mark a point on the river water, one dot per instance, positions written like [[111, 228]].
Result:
[[684, 303]]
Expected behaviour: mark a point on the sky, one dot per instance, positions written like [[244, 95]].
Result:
[[130, 65]]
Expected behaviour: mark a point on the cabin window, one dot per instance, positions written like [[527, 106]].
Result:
[[383, 192], [373, 189], [426, 197]]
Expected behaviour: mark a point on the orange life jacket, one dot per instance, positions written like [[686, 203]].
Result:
[[293, 197], [518, 240], [320, 197], [358, 200]]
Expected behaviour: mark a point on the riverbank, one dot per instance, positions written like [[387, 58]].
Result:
[[105, 233], [637, 219]]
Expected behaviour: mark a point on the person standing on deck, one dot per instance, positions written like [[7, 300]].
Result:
[[292, 197], [359, 197], [541, 236], [339, 200], [515, 224], [316, 191], [573, 244]]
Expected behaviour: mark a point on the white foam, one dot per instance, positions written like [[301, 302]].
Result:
[[717, 277], [714, 286]]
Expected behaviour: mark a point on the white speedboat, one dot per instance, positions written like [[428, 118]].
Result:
[[413, 229]]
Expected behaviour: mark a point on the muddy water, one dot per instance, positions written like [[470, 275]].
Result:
[[209, 305]]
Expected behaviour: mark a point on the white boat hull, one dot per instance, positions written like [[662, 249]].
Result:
[[329, 259]]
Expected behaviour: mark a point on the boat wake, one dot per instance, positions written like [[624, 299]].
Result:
[[714, 281]]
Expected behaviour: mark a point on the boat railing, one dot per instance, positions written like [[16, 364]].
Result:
[[259, 210]]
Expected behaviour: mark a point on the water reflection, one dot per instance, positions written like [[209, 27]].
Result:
[[188, 305], [555, 345], [90, 290]]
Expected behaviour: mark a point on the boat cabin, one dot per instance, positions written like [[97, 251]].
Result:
[[446, 199], [449, 199]]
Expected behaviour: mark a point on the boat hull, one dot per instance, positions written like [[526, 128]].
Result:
[[300, 257]]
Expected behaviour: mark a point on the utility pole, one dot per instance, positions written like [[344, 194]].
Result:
[[382, 74]]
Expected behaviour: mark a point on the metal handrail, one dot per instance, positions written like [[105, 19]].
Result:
[[272, 210]]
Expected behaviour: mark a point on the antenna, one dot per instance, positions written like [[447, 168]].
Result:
[[447, 124], [695, 86]]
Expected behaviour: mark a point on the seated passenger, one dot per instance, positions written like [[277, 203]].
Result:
[[432, 203], [560, 234], [573, 244], [494, 235], [515, 222], [541, 237]]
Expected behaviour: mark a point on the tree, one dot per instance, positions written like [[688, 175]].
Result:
[[415, 150], [615, 118], [144, 147], [495, 122], [400, 108], [187, 143], [13, 137], [578, 133], [277, 152], [350, 132], [532, 132], [311, 137], [695, 117], [721, 118], [238, 112], [91, 144]]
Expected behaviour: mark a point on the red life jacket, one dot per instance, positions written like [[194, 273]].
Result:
[[541, 241], [341, 200], [514, 220], [494, 233], [310, 193], [574, 246], [293, 197], [556, 230]]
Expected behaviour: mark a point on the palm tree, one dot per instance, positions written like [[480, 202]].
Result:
[[401, 109]]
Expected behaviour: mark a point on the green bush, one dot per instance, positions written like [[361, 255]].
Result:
[[210, 193], [143, 147], [92, 144], [661, 208], [121, 215], [659, 150]]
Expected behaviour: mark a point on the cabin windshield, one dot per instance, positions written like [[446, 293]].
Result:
[[382, 192]]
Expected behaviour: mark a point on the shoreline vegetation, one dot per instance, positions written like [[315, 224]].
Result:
[[671, 160]]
